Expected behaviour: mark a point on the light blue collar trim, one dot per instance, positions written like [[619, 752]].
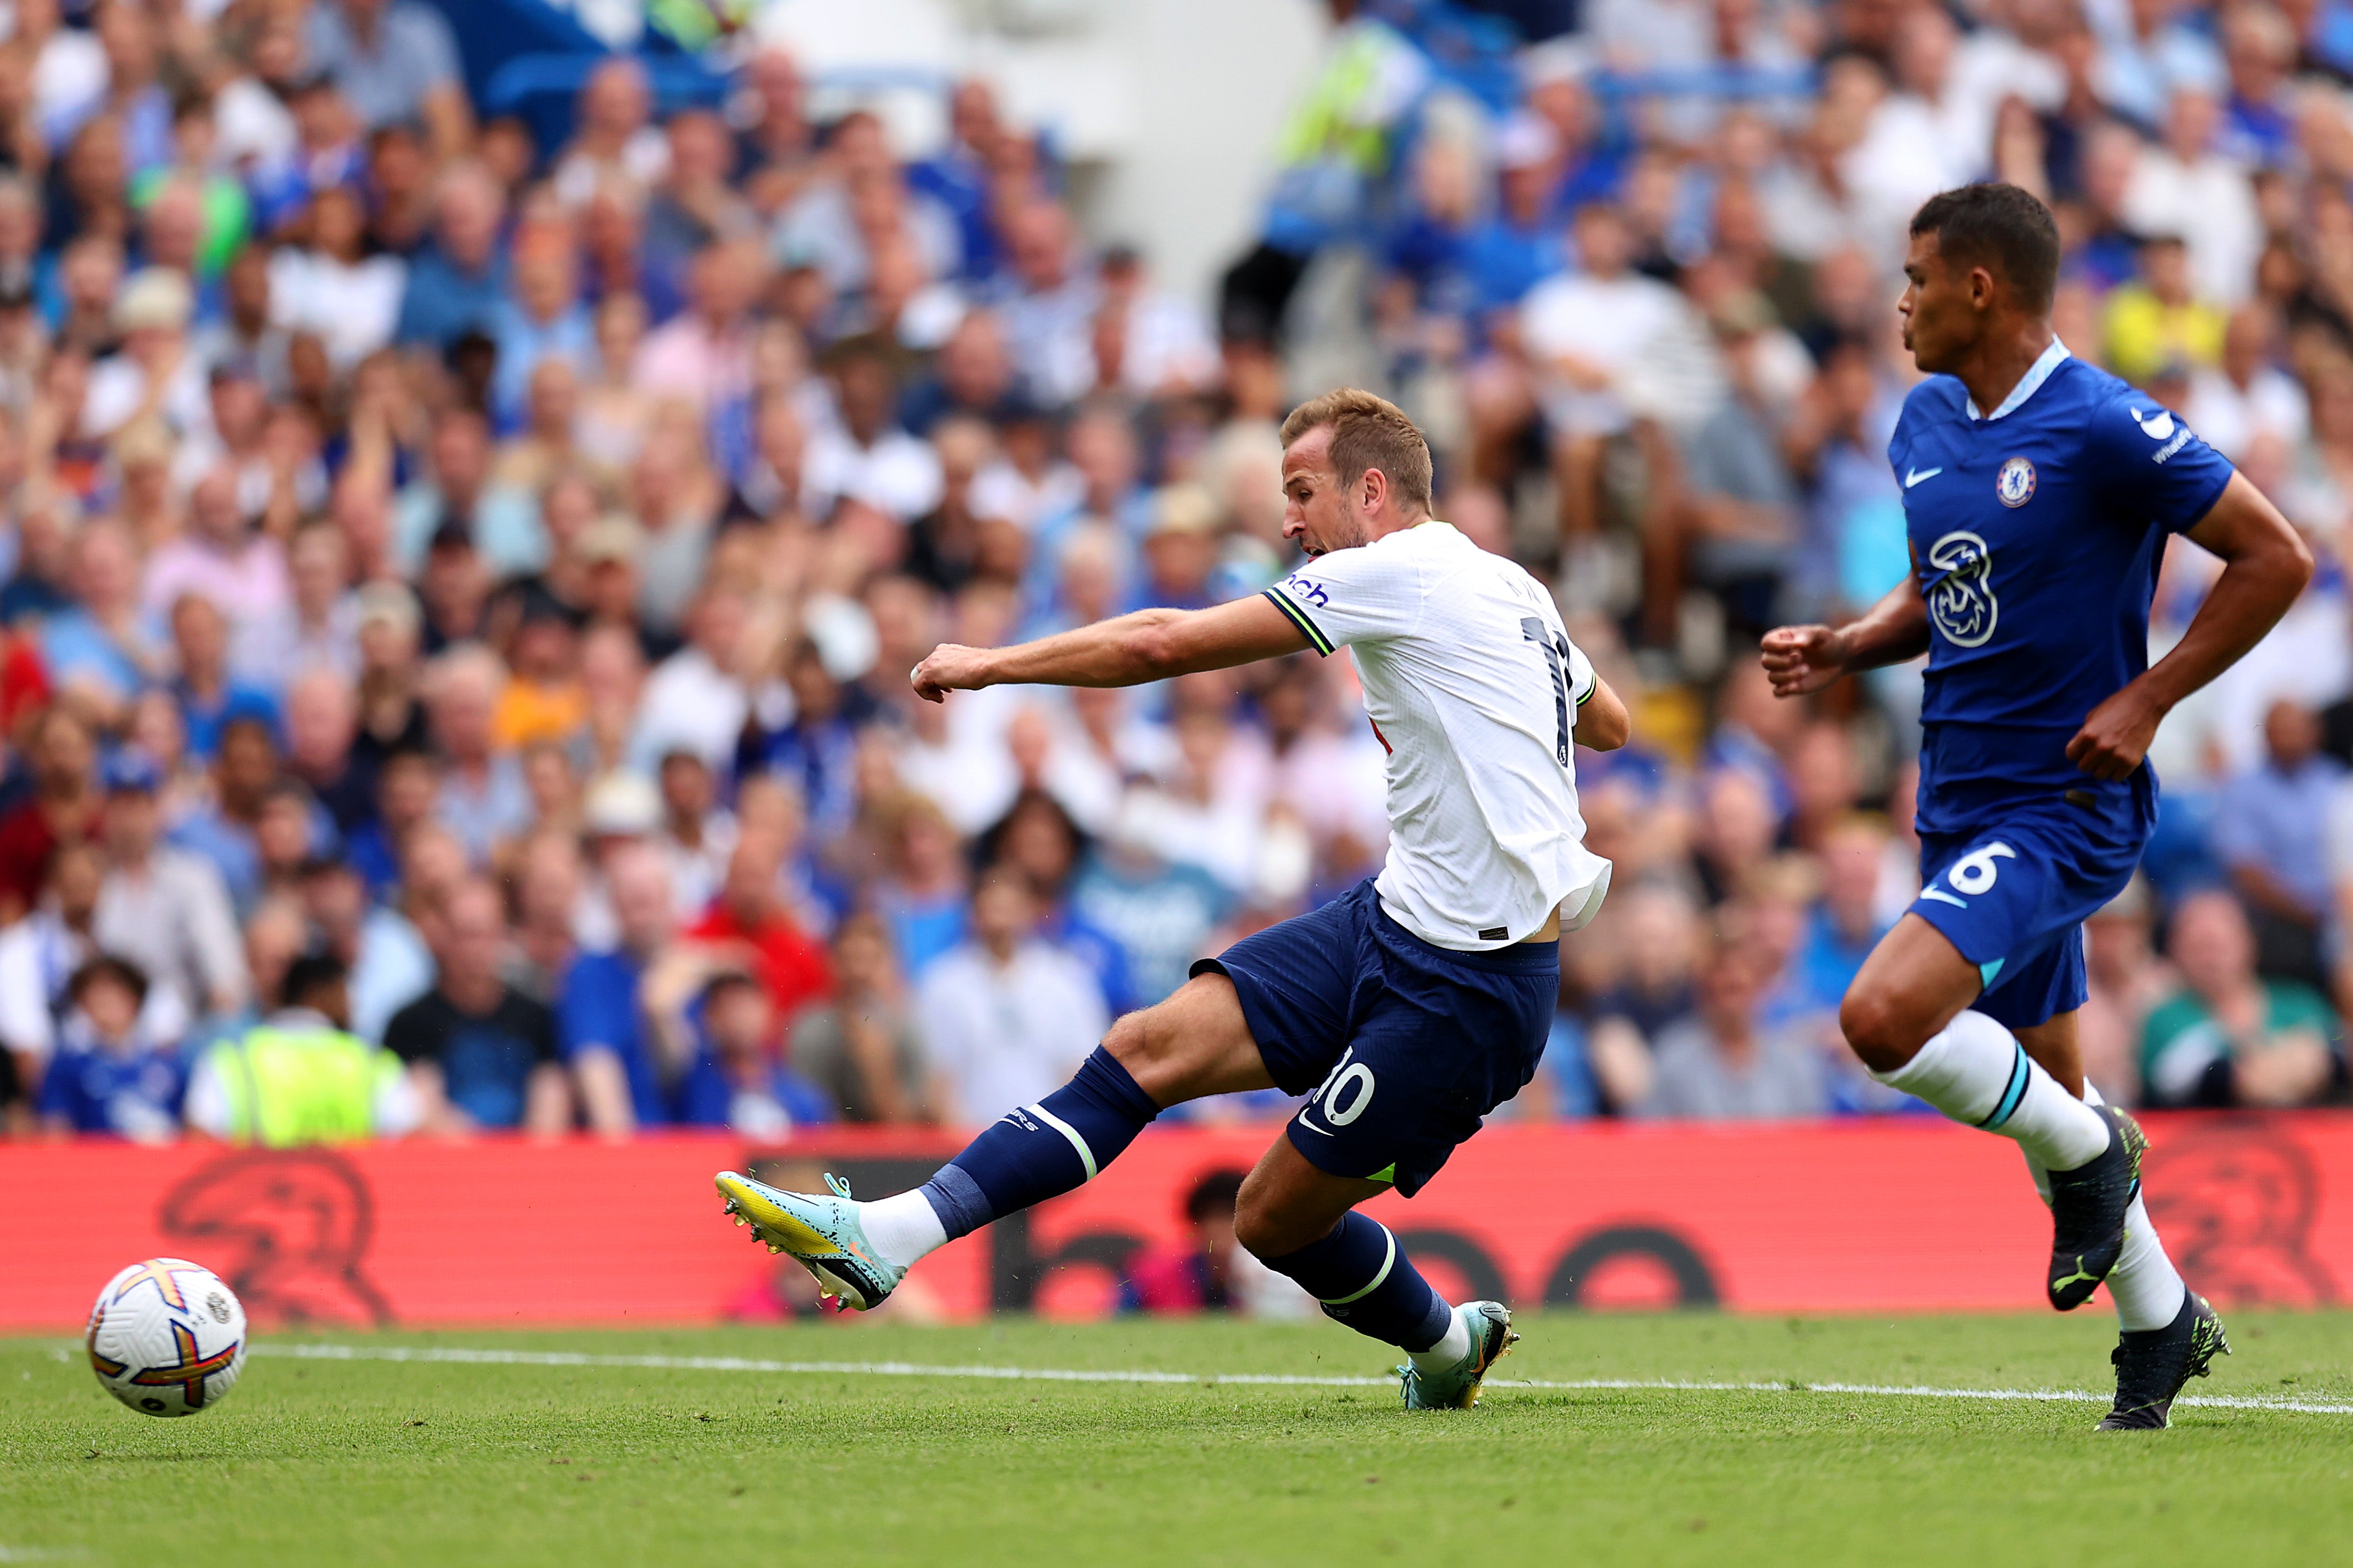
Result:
[[2028, 384]]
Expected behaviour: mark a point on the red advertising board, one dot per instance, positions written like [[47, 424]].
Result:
[[1853, 1216]]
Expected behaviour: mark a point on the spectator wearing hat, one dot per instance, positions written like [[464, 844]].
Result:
[[153, 374], [162, 907], [1180, 550], [109, 1074], [301, 1077]]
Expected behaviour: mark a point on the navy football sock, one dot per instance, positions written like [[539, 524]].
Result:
[[1038, 1151], [1364, 1279]]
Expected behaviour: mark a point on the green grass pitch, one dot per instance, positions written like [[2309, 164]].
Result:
[[322, 1461]]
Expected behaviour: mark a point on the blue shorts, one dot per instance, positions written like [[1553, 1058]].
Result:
[[1404, 1045], [2012, 896]]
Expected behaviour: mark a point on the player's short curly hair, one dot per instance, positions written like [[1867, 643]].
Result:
[[2003, 228], [1368, 432]]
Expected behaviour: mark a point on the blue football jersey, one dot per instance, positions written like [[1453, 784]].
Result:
[[2036, 534]]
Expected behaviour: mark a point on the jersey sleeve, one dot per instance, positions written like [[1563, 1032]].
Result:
[[2153, 466], [1582, 680], [1348, 596]]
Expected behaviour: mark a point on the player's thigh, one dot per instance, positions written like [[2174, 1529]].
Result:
[[1194, 1044], [1287, 1202], [1914, 984]]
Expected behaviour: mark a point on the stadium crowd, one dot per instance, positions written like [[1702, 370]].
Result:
[[461, 591]]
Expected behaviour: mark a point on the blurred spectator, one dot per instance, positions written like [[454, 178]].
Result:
[[735, 1081], [63, 807], [42, 951], [616, 1064], [2227, 1037], [1004, 1015], [298, 1078], [162, 907], [1195, 1275], [479, 1053], [750, 914], [862, 1049], [395, 61], [1722, 1063], [109, 1075], [2271, 832]]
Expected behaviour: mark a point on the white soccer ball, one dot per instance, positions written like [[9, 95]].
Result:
[[167, 1336]]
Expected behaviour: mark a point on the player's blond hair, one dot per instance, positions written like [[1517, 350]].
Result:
[[1368, 432]]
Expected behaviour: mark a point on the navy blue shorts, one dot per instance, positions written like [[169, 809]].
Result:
[[2013, 895], [1406, 1045]]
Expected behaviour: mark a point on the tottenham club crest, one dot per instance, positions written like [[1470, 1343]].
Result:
[[1960, 596], [2015, 483]]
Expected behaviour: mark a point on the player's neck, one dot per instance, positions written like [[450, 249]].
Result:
[[1388, 522], [2000, 361]]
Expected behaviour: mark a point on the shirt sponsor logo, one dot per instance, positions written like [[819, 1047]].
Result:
[[2156, 427], [1960, 597]]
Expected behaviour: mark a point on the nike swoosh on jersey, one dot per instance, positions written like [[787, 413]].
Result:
[[1312, 1127], [1917, 477]]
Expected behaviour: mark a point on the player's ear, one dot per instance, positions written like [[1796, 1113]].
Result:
[[1373, 488]]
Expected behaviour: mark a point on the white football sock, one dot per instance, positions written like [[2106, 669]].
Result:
[[1453, 1347], [1975, 1072], [2146, 1289], [903, 1228]]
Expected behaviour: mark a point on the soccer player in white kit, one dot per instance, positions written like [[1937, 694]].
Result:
[[1410, 1006]]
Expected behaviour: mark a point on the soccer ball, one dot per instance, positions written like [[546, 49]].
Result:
[[167, 1336]]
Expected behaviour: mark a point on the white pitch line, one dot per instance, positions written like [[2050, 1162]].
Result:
[[1233, 1379]]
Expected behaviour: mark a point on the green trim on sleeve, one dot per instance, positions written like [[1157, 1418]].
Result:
[[1314, 634]]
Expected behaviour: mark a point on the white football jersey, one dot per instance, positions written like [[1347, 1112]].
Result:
[[1473, 689]]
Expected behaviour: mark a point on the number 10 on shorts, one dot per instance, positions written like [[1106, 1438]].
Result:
[[1972, 874]]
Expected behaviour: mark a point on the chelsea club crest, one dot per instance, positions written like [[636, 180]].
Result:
[[2015, 484]]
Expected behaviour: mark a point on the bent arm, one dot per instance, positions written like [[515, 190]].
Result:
[[1603, 723], [1127, 650], [2265, 566]]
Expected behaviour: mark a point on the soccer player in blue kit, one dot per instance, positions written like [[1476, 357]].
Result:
[[2039, 495]]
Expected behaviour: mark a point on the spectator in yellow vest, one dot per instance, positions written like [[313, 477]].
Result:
[[300, 1076]]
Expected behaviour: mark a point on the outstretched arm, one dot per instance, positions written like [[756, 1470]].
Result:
[[1127, 650], [2265, 566], [1803, 659]]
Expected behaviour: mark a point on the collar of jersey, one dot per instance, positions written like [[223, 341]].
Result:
[[2028, 384]]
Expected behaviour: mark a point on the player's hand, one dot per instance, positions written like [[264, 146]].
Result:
[[951, 666], [1803, 659], [2115, 737]]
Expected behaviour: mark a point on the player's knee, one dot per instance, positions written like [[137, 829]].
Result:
[[1266, 1226], [1883, 1031]]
